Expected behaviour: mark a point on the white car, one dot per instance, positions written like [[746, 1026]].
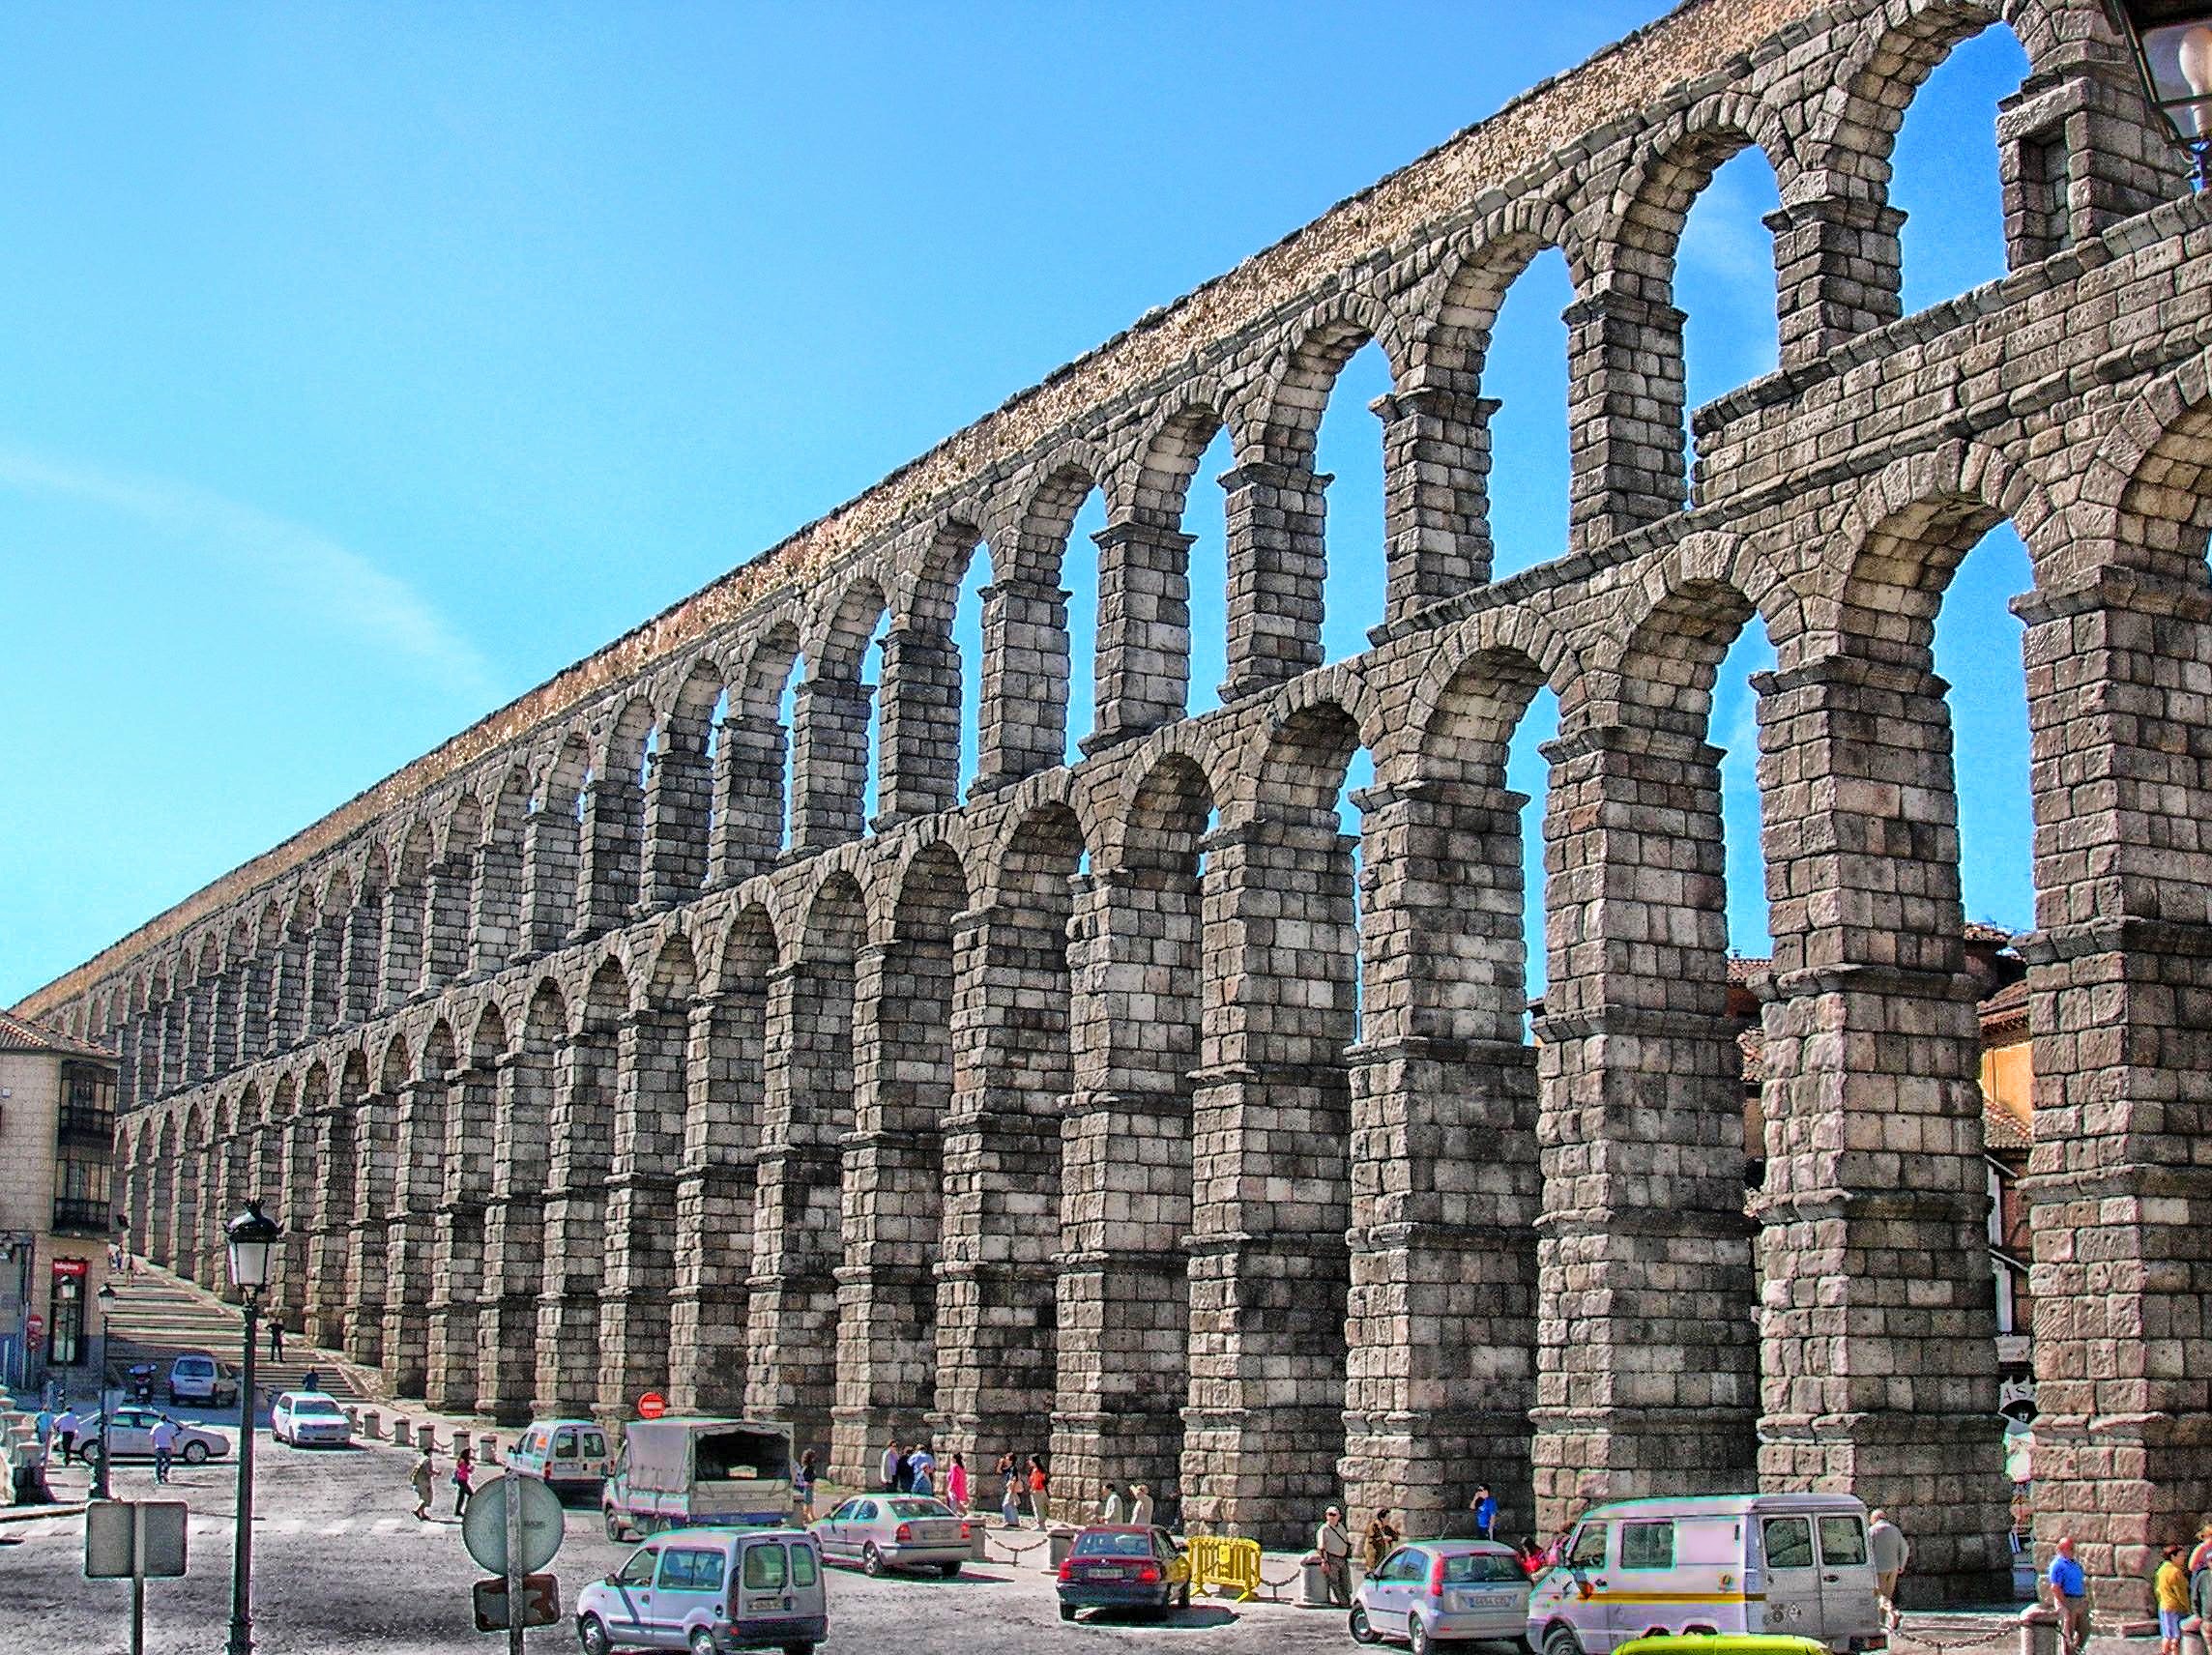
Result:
[[198, 1378], [130, 1437], [310, 1419]]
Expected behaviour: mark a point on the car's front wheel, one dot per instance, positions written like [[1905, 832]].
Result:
[[1562, 1640], [702, 1641], [614, 1528], [1362, 1632], [591, 1633], [1417, 1636], [195, 1453], [1067, 1611]]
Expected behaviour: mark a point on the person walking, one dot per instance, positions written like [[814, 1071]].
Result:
[[956, 1485], [276, 1339], [1010, 1492], [802, 1484], [1333, 1545], [1485, 1509], [1378, 1542], [2070, 1596], [164, 1439], [464, 1475], [889, 1467], [66, 1428], [1110, 1509], [1140, 1505], [1039, 1488], [424, 1477], [2170, 1587], [921, 1471], [1889, 1552]]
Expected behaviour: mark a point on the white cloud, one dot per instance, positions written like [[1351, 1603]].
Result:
[[329, 581]]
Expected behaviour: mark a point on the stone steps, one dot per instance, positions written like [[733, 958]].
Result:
[[158, 1316]]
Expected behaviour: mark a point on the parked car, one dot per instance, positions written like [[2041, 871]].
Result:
[[1120, 1566], [710, 1591], [310, 1419], [130, 1437], [1790, 1564], [690, 1473], [895, 1532], [1440, 1592], [200, 1379], [572, 1455], [1723, 1643]]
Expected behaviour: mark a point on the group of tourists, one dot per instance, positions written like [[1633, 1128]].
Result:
[[1025, 1487]]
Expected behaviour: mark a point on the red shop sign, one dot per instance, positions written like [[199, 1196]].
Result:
[[66, 1269]]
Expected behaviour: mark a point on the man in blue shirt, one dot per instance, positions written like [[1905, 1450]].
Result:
[[2070, 1596], [1485, 1511]]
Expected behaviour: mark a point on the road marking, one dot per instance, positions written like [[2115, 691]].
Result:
[[342, 1526]]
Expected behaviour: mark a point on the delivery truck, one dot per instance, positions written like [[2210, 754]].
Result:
[[688, 1473]]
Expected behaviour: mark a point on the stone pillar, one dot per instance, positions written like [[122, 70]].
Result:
[[294, 1209], [575, 1225], [1124, 1293], [1441, 1315], [998, 1329], [1647, 1367], [514, 1234], [362, 966], [329, 1289], [2120, 1002], [457, 1234], [1435, 495], [1876, 1320], [1839, 272], [404, 907], [1025, 680], [376, 1135], [747, 833], [2076, 153], [715, 1199], [791, 1337], [886, 1296], [1270, 1210], [612, 837], [919, 767], [198, 1046], [641, 1207], [183, 1213], [1625, 414], [677, 806], [495, 915], [831, 765], [453, 898], [1143, 665], [549, 866], [326, 973], [418, 1187], [1278, 559]]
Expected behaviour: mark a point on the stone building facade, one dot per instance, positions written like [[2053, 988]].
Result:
[[1041, 1114]]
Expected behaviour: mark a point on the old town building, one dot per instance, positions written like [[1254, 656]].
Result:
[[57, 1131]]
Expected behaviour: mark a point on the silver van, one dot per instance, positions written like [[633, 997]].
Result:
[[711, 1590], [570, 1456]]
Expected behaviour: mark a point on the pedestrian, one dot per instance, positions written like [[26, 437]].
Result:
[[276, 1339], [803, 1485], [921, 1471], [1010, 1492], [1110, 1511], [2069, 1595], [1485, 1510], [1378, 1542], [1890, 1552], [1040, 1487], [1333, 1545], [163, 1438], [894, 1457], [1140, 1505], [956, 1485], [2200, 1582], [424, 1478], [66, 1428], [2201, 1557], [2171, 1586], [464, 1470]]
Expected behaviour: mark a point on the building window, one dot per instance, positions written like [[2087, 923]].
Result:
[[65, 1314], [84, 1137]]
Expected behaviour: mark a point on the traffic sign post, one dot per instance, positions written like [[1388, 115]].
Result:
[[513, 1527], [540, 1601], [652, 1406], [134, 1540]]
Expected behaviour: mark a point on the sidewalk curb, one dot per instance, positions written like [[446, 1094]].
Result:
[[32, 1513]]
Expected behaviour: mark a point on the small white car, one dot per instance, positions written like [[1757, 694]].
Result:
[[130, 1437], [1437, 1591], [310, 1419], [198, 1378]]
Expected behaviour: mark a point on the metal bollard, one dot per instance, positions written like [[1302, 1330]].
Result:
[[2038, 1631]]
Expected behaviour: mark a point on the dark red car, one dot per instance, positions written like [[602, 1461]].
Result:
[[1123, 1567]]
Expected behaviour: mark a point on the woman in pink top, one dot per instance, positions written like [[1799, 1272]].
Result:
[[956, 1485]]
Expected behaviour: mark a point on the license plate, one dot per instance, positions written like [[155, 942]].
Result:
[[1108, 1574]]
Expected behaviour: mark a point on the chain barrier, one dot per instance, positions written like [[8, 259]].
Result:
[[1000, 1535]]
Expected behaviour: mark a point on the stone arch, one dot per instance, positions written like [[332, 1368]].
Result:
[[1298, 734], [2146, 495], [1320, 343], [1649, 205]]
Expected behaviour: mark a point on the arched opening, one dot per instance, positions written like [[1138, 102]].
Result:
[[1079, 578], [583, 1153], [1945, 172], [835, 757], [614, 821], [1724, 284], [553, 848], [514, 1222], [679, 796], [458, 1267], [1506, 352], [1347, 450]]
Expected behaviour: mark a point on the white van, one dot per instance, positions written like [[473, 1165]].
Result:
[[1791, 1565], [572, 1455], [715, 1589]]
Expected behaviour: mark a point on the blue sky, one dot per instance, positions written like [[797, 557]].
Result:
[[364, 365]]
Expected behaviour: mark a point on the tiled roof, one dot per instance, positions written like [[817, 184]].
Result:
[[21, 1034], [1978, 932]]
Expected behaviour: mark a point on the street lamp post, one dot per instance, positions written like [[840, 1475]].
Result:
[[252, 1236], [2173, 41], [100, 1487]]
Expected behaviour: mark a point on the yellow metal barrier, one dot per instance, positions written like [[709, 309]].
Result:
[[1217, 1561]]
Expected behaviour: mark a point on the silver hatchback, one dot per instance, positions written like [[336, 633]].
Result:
[[895, 1532], [1436, 1591]]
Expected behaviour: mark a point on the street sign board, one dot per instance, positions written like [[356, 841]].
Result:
[[127, 1539], [652, 1406], [483, 1527], [541, 1603]]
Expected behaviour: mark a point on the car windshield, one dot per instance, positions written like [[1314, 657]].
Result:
[[1112, 1544], [1475, 1567], [918, 1508], [315, 1405]]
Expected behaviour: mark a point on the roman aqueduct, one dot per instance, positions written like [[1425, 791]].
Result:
[[1039, 1117]]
